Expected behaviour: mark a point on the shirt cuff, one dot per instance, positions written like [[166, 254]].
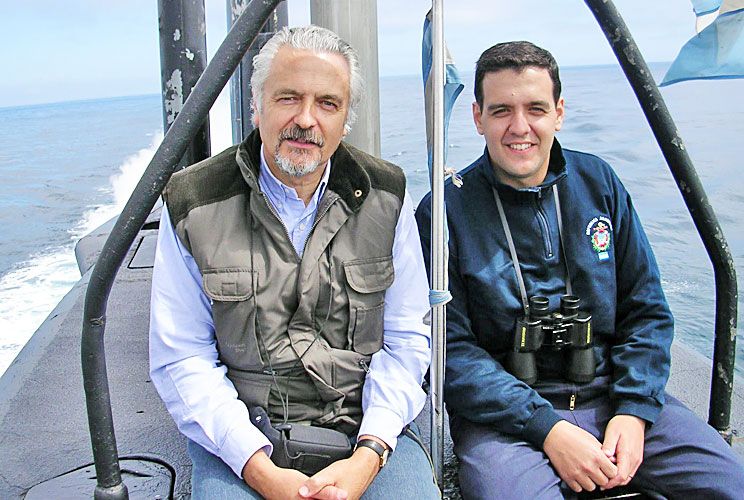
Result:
[[382, 423], [240, 445], [648, 409], [539, 425]]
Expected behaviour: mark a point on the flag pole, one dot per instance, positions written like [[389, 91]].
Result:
[[438, 273]]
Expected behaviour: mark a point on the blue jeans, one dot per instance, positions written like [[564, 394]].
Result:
[[683, 457], [408, 474]]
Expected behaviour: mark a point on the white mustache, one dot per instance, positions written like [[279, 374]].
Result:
[[298, 133]]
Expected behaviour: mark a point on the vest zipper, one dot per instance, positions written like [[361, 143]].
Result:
[[572, 402], [318, 216], [273, 211]]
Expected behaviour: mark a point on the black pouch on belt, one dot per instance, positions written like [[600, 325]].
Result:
[[305, 448]]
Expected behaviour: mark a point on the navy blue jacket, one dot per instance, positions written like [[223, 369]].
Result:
[[618, 282]]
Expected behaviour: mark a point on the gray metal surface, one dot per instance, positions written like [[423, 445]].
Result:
[[183, 57], [690, 383], [145, 480], [88, 248], [43, 425]]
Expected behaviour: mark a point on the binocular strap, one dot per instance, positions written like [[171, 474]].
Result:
[[513, 250]]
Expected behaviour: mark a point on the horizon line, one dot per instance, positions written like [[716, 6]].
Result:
[[382, 77]]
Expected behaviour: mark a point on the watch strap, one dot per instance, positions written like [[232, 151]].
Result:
[[373, 445]]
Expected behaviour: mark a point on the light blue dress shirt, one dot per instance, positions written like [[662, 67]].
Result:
[[297, 218], [184, 361]]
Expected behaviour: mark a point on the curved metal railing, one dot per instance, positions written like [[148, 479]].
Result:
[[176, 140], [692, 191]]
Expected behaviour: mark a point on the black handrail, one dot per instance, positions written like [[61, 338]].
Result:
[[176, 140], [692, 191]]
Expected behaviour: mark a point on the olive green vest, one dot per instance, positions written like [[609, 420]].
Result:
[[269, 304]]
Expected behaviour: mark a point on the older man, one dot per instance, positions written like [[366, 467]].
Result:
[[289, 280], [544, 399]]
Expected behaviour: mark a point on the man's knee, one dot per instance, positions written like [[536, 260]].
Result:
[[499, 481], [515, 471], [686, 457]]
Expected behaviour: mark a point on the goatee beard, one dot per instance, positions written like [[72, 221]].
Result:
[[295, 169], [301, 168]]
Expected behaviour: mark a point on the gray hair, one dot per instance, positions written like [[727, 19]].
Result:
[[315, 39]]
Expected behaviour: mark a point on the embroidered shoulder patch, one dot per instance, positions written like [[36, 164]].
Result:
[[599, 231]]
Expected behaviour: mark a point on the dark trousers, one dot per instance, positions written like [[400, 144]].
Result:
[[683, 457]]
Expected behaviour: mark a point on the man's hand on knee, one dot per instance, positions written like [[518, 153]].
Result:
[[623, 444], [578, 458]]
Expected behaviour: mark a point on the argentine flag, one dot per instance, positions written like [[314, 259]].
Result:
[[717, 51], [452, 87]]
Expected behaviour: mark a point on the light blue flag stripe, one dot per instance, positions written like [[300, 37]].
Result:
[[702, 7], [717, 52], [452, 88]]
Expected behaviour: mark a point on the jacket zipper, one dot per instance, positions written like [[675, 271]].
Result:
[[543, 220], [572, 402]]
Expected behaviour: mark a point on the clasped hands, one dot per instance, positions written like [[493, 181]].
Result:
[[584, 463], [344, 479]]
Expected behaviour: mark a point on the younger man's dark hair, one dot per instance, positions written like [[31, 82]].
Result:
[[515, 55]]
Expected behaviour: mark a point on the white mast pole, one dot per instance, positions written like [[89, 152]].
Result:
[[438, 242]]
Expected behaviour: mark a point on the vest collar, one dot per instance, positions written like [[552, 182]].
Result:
[[347, 178]]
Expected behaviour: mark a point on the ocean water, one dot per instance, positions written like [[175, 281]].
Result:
[[66, 168]]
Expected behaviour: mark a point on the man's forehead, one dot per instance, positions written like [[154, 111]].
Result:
[[293, 67], [530, 82], [536, 71], [288, 53]]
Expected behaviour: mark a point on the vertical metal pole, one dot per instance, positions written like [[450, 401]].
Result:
[[240, 83], [706, 222], [356, 22], [438, 242], [183, 57]]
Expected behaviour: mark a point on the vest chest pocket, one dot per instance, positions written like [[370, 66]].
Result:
[[367, 281], [234, 314]]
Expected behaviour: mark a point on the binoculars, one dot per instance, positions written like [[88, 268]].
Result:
[[568, 330]]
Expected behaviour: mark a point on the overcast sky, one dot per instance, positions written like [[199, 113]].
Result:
[[57, 50]]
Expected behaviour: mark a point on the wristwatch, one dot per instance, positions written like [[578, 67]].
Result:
[[376, 447]]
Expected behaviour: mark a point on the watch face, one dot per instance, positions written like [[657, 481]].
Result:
[[384, 458]]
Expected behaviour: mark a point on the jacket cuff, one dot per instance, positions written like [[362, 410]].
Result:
[[648, 409], [539, 425]]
